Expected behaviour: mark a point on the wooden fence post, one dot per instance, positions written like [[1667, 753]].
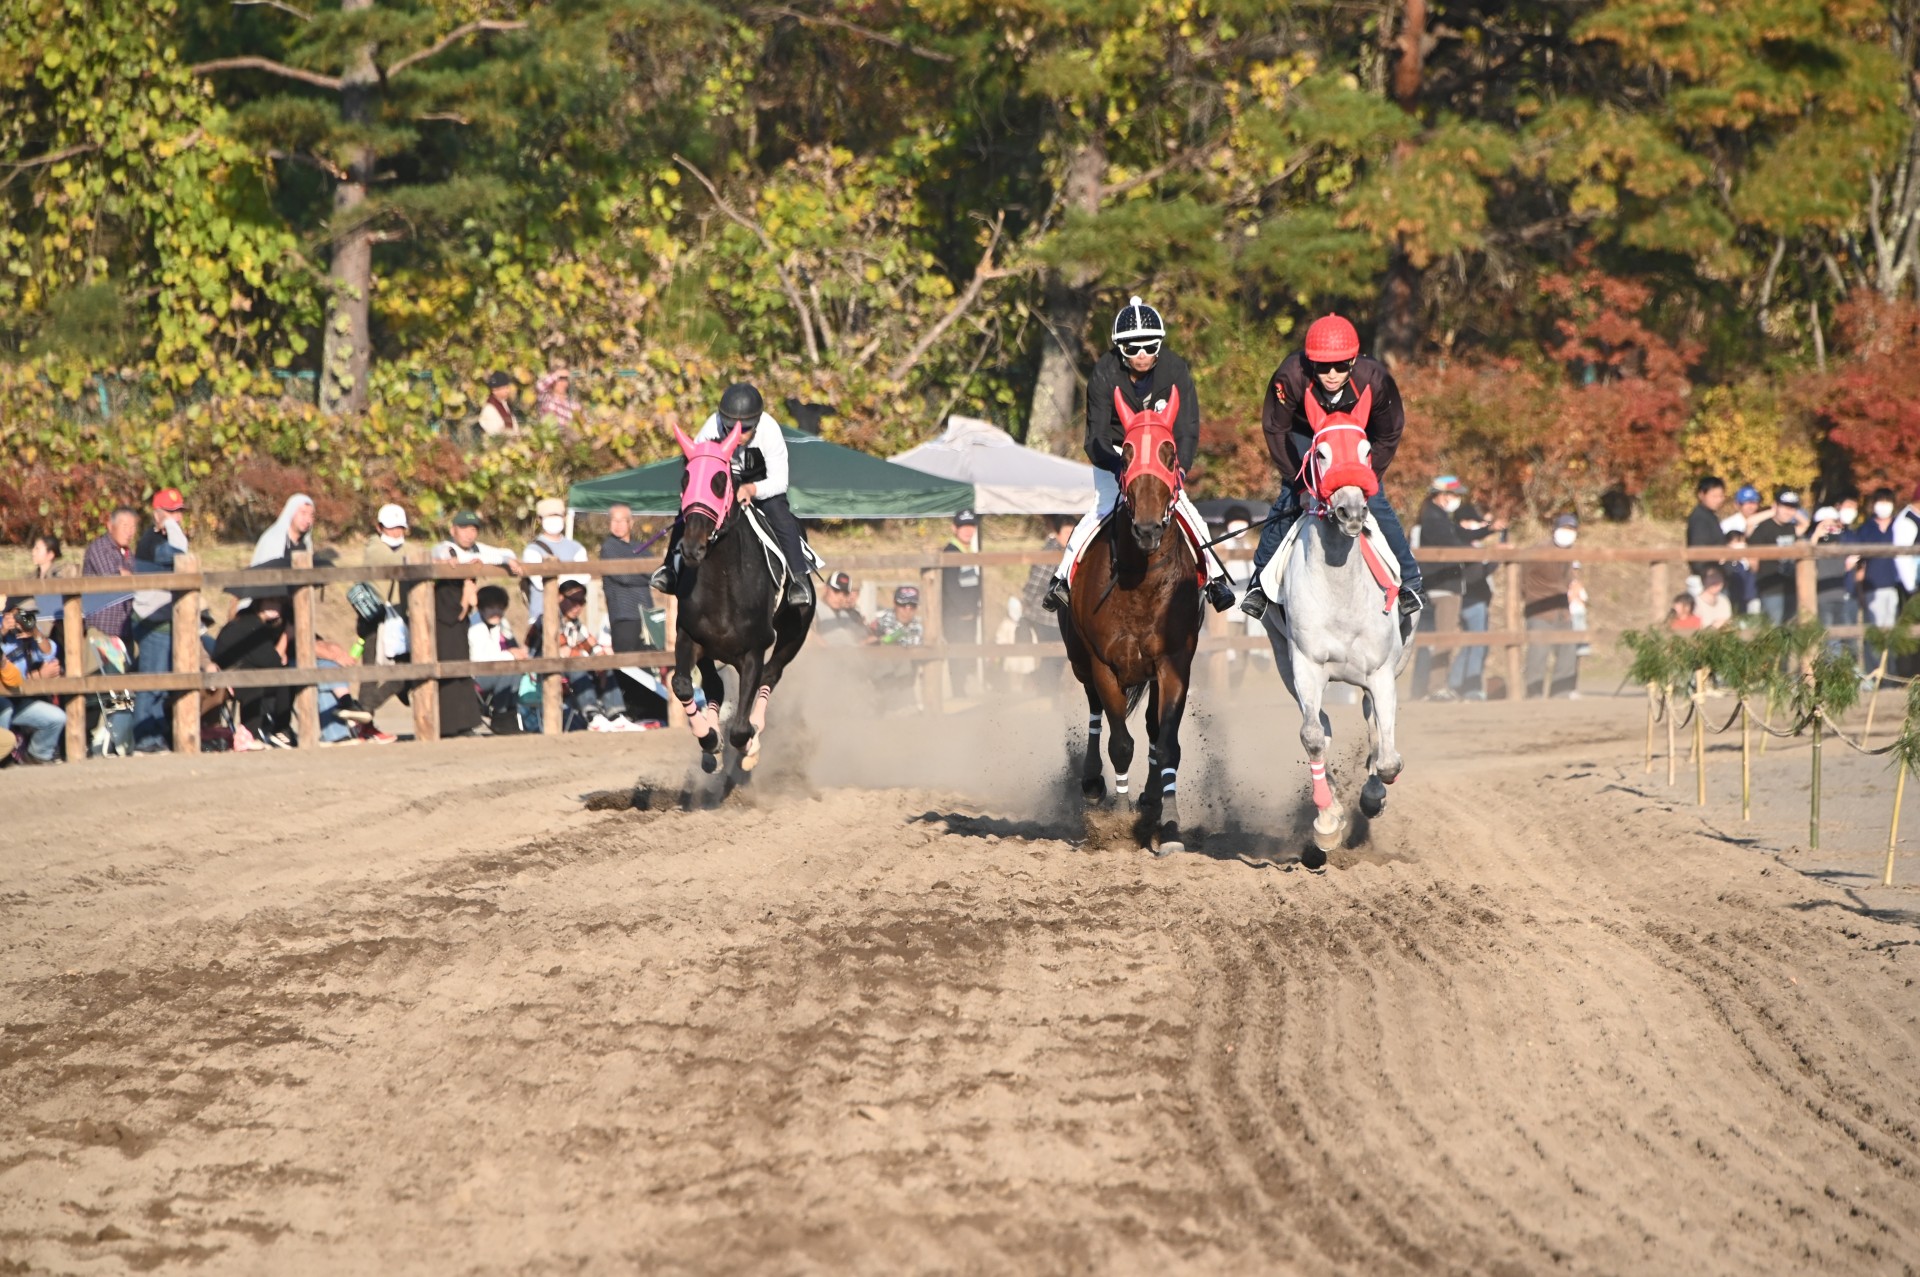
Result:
[[1806, 587], [306, 700], [1516, 689], [1659, 593], [186, 660], [933, 674], [424, 695], [73, 654], [551, 685]]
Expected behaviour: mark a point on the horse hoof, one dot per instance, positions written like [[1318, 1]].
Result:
[[709, 763], [1094, 791], [1326, 838], [1168, 841], [1373, 797], [749, 760], [1313, 858]]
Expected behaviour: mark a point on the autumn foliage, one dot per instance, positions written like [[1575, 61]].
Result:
[[1869, 405]]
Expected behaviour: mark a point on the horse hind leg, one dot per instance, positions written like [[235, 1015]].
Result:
[[1172, 697], [749, 714]]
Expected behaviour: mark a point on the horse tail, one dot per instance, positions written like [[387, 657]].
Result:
[[1134, 694]]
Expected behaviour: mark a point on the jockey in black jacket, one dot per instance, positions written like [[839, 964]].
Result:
[[1331, 369], [1138, 365]]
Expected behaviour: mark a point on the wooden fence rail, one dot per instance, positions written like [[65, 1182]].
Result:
[[188, 584]]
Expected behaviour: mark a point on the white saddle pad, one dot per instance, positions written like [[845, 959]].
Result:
[[776, 558], [1271, 575]]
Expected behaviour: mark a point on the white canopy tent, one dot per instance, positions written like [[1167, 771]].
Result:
[[1007, 477]]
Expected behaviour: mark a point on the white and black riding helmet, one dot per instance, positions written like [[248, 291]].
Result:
[[1138, 329], [741, 405]]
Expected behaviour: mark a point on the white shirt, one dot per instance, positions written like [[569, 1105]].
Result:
[[488, 642], [772, 444], [480, 553], [565, 550], [1906, 530]]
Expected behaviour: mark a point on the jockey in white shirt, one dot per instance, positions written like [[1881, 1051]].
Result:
[[742, 406]]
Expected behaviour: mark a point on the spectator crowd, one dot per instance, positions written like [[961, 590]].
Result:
[[130, 630]]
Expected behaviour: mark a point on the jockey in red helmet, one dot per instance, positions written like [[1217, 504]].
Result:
[[1145, 374], [1332, 370]]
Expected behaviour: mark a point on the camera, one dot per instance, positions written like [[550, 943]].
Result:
[[27, 617]]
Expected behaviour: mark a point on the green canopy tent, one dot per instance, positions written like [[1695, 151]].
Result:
[[825, 481]]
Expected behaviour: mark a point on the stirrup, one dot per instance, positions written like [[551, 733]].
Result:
[[1254, 602], [1057, 596], [663, 579], [1412, 600], [1220, 594], [798, 592]]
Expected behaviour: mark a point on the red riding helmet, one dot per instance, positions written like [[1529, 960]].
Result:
[[1331, 339]]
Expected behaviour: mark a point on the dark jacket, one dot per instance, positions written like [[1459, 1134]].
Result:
[[1773, 576], [1283, 413], [627, 595], [1703, 528], [1875, 574], [247, 642], [1437, 529], [1104, 433], [960, 587]]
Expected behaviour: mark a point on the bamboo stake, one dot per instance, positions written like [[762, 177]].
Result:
[[1873, 697], [1653, 713], [1700, 738], [1893, 832], [1768, 734], [1813, 808], [1746, 762], [1673, 749]]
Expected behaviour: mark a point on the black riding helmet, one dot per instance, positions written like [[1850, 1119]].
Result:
[[741, 404]]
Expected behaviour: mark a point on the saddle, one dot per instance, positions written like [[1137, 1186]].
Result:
[[1196, 541], [770, 548], [1373, 548]]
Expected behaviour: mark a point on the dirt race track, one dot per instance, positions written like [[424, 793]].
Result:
[[424, 1010]]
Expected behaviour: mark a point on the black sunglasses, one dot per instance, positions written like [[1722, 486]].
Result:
[[1345, 365], [1149, 347]]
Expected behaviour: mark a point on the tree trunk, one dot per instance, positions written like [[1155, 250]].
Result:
[[346, 347], [1053, 421], [1398, 315], [1399, 311]]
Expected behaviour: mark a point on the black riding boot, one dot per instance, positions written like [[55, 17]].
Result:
[[666, 577]]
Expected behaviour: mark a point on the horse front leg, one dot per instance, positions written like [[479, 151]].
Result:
[[703, 723], [1113, 699], [1171, 693], [1310, 686], [1093, 778], [748, 714], [716, 690]]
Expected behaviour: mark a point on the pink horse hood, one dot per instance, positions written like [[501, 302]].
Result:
[[707, 485]]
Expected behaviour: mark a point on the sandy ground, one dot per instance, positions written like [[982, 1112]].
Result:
[[892, 1009]]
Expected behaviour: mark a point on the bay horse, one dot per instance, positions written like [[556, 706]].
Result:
[[1133, 620], [1340, 622], [732, 610]]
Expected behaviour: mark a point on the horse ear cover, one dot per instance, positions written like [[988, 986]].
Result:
[[731, 442], [686, 444]]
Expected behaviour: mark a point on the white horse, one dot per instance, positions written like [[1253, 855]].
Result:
[[1339, 625]]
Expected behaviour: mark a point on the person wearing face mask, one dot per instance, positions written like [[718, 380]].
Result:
[[151, 632], [1548, 590], [1445, 582], [387, 547], [552, 543], [1877, 580], [1330, 367], [1835, 600], [1775, 581]]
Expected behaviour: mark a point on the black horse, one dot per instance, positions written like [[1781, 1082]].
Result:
[[732, 610]]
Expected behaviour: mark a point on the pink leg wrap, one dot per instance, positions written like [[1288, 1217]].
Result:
[[1322, 792], [700, 720], [758, 715]]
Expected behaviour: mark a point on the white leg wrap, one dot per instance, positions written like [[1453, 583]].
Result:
[[1190, 515], [1167, 780]]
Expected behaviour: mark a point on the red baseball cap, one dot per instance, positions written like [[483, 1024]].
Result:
[[169, 499]]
